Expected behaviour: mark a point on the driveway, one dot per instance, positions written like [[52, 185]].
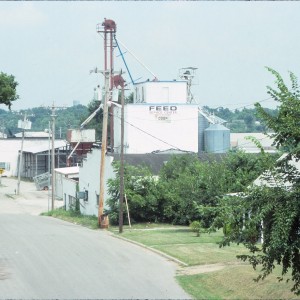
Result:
[[46, 258], [29, 201]]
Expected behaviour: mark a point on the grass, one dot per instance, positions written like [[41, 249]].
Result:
[[73, 217], [170, 236], [184, 245], [235, 282], [201, 254], [144, 226]]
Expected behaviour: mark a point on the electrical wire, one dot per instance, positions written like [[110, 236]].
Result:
[[149, 134], [247, 105]]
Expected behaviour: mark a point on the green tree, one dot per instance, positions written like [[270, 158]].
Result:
[[273, 209], [241, 120], [141, 192], [8, 92], [187, 189], [96, 122], [178, 189]]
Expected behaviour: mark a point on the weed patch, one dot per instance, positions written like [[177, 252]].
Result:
[[73, 217]]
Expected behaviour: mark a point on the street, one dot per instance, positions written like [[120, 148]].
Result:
[[46, 258]]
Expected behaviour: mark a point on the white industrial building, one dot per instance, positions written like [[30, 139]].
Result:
[[242, 141], [35, 156], [159, 119], [157, 127], [161, 92]]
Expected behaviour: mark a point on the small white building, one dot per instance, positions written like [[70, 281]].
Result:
[[89, 181], [66, 181], [160, 92]]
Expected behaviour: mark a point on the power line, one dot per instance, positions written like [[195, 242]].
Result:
[[247, 105], [246, 143], [151, 135]]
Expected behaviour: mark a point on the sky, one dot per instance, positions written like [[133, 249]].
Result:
[[51, 47]]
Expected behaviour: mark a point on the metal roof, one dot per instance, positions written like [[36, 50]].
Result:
[[240, 141], [43, 146], [33, 134], [211, 118], [68, 170], [160, 81]]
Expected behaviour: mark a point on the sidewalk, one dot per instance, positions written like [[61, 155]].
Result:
[[29, 201]]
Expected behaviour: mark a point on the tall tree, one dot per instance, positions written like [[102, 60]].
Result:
[[286, 124], [8, 92], [273, 209]]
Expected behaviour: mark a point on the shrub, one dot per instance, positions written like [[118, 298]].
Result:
[[196, 227]]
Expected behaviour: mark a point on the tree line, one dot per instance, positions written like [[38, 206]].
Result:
[[67, 118], [244, 119]]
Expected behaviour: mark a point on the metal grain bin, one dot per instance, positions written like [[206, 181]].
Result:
[[217, 139]]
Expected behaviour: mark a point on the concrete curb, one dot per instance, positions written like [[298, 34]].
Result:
[[151, 249]]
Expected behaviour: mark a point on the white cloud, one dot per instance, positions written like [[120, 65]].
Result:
[[20, 14]]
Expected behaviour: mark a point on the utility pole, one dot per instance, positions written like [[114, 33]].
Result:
[[121, 221], [106, 73], [24, 125], [49, 154], [53, 156]]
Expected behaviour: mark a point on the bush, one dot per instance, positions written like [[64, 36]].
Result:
[[196, 227]]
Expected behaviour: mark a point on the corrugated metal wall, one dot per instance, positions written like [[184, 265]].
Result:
[[217, 139]]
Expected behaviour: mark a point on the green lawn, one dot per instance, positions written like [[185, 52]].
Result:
[[235, 282], [200, 254], [186, 246], [165, 236]]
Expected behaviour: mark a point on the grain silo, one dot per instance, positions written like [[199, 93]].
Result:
[[217, 139]]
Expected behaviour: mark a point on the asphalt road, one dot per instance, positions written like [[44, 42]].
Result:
[[45, 258]]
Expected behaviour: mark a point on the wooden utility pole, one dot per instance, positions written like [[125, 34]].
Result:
[[101, 224], [121, 221], [24, 125], [21, 157], [53, 157]]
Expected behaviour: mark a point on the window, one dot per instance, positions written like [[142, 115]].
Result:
[[5, 166], [72, 201]]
